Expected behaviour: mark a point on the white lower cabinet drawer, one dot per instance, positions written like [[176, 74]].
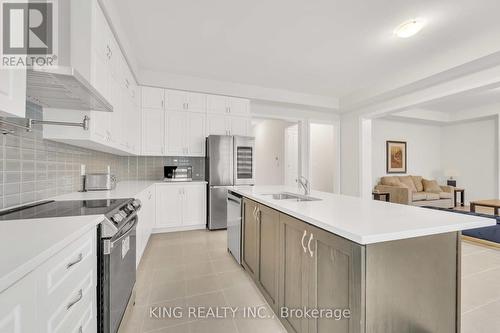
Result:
[[66, 285], [63, 319]]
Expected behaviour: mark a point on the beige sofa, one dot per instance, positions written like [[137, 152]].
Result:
[[416, 191]]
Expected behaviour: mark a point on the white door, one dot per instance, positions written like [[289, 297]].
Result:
[[217, 125], [152, 98], [175, 100], [196, 102], [217, 104], [194, 205], [240, 126], [13, 92], [176, 133], [18, 306], [153, 129], [238, 106], [291, 155], [195, 134], [168, 205]]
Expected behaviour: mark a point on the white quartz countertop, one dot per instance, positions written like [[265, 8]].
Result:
[[125, 189], [26, 244], [364, 221]]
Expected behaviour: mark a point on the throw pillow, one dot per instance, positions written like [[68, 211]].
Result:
[[431, 186], [417, 180], [390, 181], [408, 182]]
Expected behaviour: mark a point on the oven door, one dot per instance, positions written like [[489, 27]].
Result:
[[119, 274], [244, 160]]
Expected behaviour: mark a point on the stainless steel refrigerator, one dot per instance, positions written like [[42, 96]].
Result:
[[229, 161]]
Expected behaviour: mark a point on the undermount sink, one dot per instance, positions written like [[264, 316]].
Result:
[[291, 196]]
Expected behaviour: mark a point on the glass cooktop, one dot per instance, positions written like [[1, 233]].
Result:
[[53, 208]]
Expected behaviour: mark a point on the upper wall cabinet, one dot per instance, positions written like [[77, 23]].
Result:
[[153, 98], [12, 92], [98, 57], [177, 100], [228, 105]]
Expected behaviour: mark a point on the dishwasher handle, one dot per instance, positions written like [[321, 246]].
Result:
[[233, 198]]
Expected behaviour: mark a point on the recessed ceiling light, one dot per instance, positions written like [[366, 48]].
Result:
[[409, 28]]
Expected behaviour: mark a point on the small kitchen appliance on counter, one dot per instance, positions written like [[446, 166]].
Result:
[[99, 182], [173, 173]]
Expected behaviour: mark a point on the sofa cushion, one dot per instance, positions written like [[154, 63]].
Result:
[[432, 196], [445, 195], [408, 182], [390, 181], [419, 196], [431, 186], [417, 180]]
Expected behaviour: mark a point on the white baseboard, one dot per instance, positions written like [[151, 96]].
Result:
[[179, 228]]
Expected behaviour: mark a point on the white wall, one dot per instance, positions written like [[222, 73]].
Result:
[[269, 151], [350, 150], [471, 149], [322, 150], [424, 153]]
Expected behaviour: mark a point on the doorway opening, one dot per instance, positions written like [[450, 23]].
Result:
[[276, 151], [323, 162]]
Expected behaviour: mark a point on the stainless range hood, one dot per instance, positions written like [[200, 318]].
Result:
[[63, 88]]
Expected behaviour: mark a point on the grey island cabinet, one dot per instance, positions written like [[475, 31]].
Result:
[[405, 285]]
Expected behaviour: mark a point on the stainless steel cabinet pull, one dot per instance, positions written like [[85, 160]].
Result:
[[255, 213], [259, 215], [309, 246], [80, 329], [302, 241], [78, 299], [73, 263]]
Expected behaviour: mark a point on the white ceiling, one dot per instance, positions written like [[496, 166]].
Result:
[[324, 47], [464, 102]]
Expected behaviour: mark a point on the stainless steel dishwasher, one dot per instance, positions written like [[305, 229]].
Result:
[[234, 225]]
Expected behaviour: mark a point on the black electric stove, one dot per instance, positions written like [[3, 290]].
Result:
[[52, 208]]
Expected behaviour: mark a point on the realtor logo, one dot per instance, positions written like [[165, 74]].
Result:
[[28, 30]]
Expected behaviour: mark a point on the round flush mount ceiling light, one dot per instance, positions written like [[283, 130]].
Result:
[[409, 28]]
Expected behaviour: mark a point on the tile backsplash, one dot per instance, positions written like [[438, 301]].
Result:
[[35, 169]]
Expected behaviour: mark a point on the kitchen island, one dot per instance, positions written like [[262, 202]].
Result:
[[385, 267]]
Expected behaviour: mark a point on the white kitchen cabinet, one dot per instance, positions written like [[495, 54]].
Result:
[[17, 307], [168, 205], [147, 217], [185, 133], [176, 122], [217, 104], [99, 59], [12, 92], [153, 132], [228, 105], [196, 134], [180, 206], [58, 296], [177, 100], [239, 126], [217, 124], [227, 125], [238, 106], [153, 98]]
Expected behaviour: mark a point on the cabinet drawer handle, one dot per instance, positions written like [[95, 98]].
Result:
[[302, 241], [73, 263], [78, 299], [80, 329], [309, 246], [259, 214]]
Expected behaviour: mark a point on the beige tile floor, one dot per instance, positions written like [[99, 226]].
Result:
[[193, 268]]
